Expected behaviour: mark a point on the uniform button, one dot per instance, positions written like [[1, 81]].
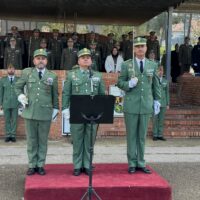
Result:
[[142, 75], [86, 90], [38, 94], [142, 82], [39, 82], [142, 89], [38, 88], [86, 84], [36, 100], [141, 96]]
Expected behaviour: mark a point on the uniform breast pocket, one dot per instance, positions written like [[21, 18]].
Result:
[[76, 86], [31, 83]]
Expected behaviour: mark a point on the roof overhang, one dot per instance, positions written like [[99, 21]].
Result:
[[121, 12]]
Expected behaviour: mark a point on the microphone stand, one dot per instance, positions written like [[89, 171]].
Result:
[[92, 121]]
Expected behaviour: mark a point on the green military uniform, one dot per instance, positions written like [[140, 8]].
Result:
[[32, 45], [69, 58], [96, 60], [19, 41], [153, 45], [13, 56], [138, 106], [42, 97], [158, 121], [78, 83], [55, 46], [9, 102]]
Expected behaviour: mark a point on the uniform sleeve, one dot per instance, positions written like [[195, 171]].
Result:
[[102, 87], [67, 92], [122, 82], [55, 93], [21, 82], [1, 92]]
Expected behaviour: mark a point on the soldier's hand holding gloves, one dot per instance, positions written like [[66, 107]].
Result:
[[65, 113], [156, 105], [54, 114], [133, 82], [23, 100]]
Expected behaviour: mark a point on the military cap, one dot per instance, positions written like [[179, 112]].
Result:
[[130, 32], [40, 52], [55, 31], [110, 34], [36, 30], [93, 43], [84, 52], [12, 39], [74, 33], [152, 32], [14, 28], [140, 41]]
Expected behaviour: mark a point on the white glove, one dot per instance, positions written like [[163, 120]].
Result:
[[133, 82], [54, 115], [156, 105], [65, 113], [23, 100]]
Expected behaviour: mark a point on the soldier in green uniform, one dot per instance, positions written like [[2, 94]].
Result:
[[43, 45], [79, 83], [96, 57], [40, 108], [139, 80], [9, 103], [128, 47], [55, 46], [158, 120], [32, 45], [153, 44], [19, 40], [12, 55], [69, 56]]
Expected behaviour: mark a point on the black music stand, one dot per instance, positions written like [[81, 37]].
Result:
[[91, 110]]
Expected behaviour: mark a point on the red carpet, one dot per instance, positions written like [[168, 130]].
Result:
[[110, 181]]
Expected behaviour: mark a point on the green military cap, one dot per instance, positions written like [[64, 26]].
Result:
[[36, 30], [55, 31], [140, 41], [12, 39], [84, 52], [40, 52], [93, 43], [152, 32], [110, 34], [14, 28]]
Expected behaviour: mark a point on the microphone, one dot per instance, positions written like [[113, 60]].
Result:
[[90, 72]]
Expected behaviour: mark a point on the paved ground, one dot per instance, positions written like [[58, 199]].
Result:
[[177, 160]]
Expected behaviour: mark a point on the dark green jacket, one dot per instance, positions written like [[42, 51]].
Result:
[[8, 97], [42, 94], [139, 100], [79, 84]]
